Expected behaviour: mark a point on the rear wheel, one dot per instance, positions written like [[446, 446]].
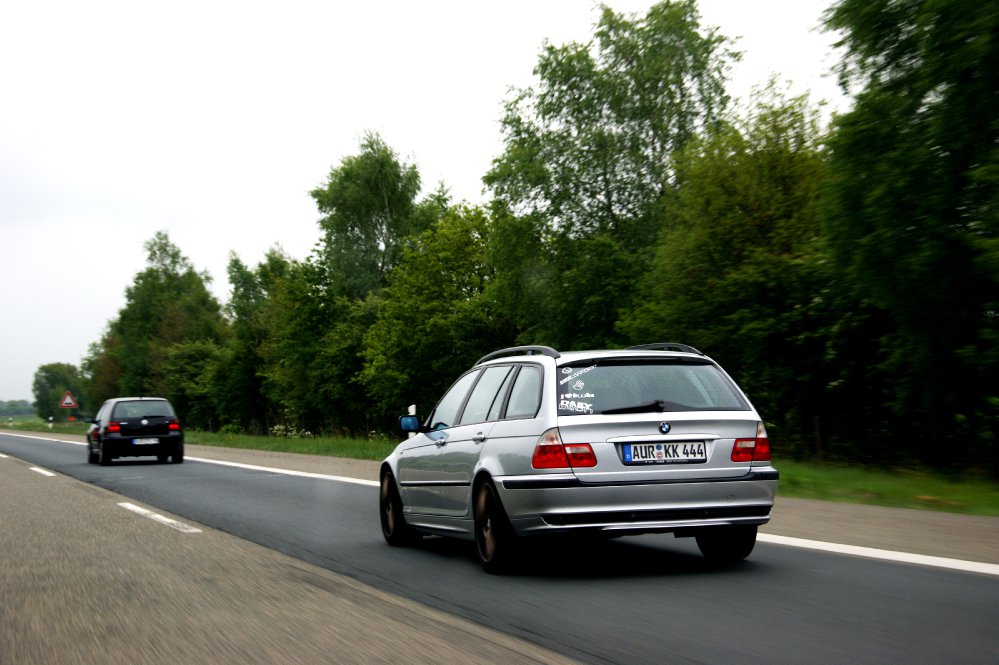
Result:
[[103, 454], [723, 545], [495, 540], [397, 533], [91, 453], [178, 455]]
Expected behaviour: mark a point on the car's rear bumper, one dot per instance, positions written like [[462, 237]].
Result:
[[126, 447], [560, 502]]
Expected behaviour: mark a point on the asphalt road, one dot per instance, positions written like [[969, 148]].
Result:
[[635, 600]]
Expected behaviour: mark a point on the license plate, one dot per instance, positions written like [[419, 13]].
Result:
[[681, 452], [145, 442]]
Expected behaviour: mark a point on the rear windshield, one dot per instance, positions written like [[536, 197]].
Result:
[[143, 409], [633, 386]]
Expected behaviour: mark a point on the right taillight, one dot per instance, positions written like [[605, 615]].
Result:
[[752, 450], [551, 453], [173, 425]]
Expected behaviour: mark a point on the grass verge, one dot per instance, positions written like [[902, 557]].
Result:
[[880, 487], [899, 488]]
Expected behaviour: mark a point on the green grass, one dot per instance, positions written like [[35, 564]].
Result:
[[827, 482], [900, 488], [369, 449]]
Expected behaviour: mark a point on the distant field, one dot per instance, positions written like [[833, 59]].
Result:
[[881, 487]]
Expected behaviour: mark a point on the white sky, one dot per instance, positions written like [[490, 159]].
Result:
[[212, 120]]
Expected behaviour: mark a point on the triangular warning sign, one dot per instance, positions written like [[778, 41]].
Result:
[[68, 402]]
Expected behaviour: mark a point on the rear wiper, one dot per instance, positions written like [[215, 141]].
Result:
[[654, 405]]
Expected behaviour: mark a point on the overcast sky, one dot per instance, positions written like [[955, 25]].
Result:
[[213, 120]]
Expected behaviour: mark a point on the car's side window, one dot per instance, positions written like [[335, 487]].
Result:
[[447, 409], [484, 395], [525, 398], [497, 408]]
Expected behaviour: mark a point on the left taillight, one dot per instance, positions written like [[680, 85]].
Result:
[[752, 450], [174, 425], [114, 427], [551, 453]]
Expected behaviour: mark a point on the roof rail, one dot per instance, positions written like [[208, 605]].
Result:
[[543, 350], [666, 346]]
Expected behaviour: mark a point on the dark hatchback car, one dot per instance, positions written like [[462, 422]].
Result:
[[135, 427]]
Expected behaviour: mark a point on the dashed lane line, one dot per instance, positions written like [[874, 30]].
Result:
[[162, 519]]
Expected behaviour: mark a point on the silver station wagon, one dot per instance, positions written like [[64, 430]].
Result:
[[651, 439]]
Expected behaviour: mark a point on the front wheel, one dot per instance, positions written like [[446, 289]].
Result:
[[394, 528], [495, 540], [724, 545]]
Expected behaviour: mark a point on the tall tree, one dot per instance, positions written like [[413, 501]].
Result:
[[737, 271], [912, 209], [433, 320], [589, 150], [368, 206], [168, 303]]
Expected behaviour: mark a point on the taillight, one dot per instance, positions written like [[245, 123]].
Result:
[[114, 427], [551, 453], [752, 450], [174, 425]]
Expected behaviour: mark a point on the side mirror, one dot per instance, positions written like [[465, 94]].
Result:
[[409, 423], [88, 420]]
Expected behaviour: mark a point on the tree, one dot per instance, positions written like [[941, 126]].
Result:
[[912, 211], [49, 387], [168, 304], [368, 203], [738, 270], [589, 150], [433, 320]]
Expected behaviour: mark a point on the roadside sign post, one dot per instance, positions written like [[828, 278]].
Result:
[[68, 402]]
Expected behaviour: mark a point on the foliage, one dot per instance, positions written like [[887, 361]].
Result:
[[168, 303], [433, 320], [369, 208], [589, 150], [49, 387], [911, 213], [737, 267], [16, 407]]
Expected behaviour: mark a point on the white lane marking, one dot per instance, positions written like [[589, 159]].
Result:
[[885, 555], [156, 517], [836, 548], [287, 472], [3, 456], [43, 472], [43, 438]]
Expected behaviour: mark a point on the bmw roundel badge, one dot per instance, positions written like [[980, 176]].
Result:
[[664, 428]]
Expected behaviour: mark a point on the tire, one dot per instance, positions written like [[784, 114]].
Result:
[[104, 455], [495, 541], [725, 545], [91, 453], [394, 528], [178, 455], [162, 459]]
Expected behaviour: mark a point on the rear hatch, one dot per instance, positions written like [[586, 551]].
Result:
[[654, 419], [144, 418]]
